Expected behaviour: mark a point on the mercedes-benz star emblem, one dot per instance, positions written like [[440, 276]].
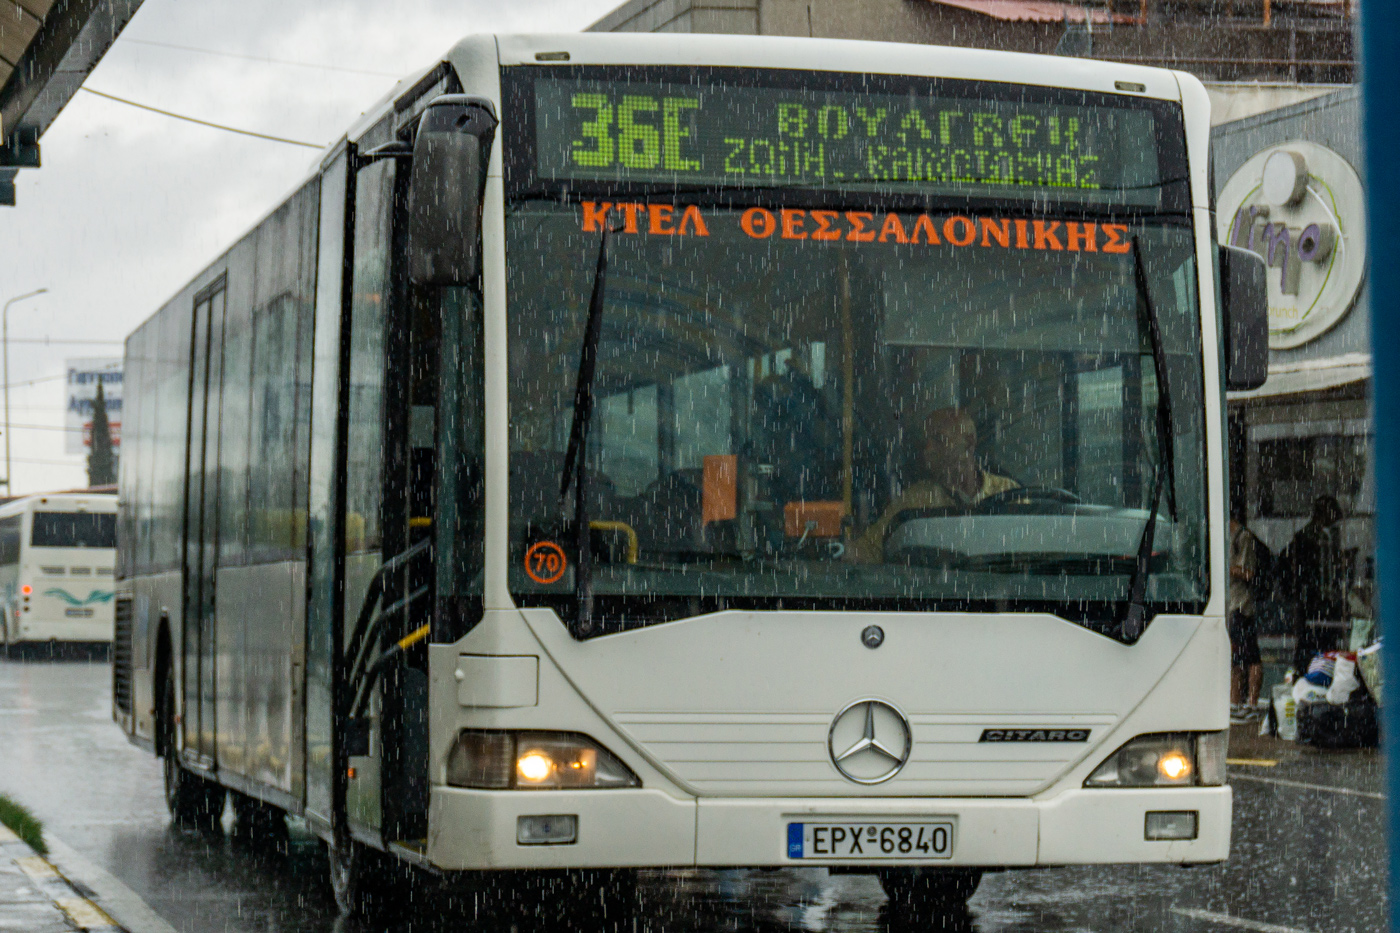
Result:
[[873, 636], [869, 741]]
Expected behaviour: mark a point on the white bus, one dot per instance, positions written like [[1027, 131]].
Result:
[[57, 555], [636, 451]]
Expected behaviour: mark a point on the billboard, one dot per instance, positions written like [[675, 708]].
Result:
[[84, 375]]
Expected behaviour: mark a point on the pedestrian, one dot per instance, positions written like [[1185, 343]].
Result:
[[1314, 576], [1246, 664]]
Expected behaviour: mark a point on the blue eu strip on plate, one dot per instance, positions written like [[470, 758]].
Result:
[[794, 840]]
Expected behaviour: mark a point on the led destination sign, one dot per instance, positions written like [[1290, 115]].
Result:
[[728, 135]]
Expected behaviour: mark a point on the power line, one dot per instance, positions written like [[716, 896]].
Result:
[[217, 126], [30, 382], [47, 340], [45, 427], [258, 58]]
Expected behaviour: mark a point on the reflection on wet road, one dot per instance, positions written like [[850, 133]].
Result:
[[1308, 852]]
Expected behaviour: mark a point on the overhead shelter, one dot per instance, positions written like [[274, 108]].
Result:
[[47, 49]]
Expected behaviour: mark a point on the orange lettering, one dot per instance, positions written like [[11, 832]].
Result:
[[1021, 241], [758, 223], [1074, 239], [661, 214], [1045, 237], [1002, 234], [696, 222], [792, 224], [924, 225], [631, 210], [893, 228], [859, 232], [595, 217], [1117, 238], [951, 225], [825, 231]]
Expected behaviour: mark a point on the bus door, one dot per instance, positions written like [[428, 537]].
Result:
[[202, 524]]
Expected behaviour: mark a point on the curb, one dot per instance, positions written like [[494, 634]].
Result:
[[79, 910]]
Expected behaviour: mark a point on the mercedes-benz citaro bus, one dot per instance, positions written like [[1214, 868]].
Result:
[[647, 451], [57, 554]]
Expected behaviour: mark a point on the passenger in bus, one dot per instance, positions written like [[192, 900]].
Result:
[[953, 478]]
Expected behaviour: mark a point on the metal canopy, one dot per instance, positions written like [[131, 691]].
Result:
[[47, 49]]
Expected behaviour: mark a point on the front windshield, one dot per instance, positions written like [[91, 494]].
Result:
[[808, 407]]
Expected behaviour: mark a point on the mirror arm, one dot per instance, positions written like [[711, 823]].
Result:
[[393, 150]]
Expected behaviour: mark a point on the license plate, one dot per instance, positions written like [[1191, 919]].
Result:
[[78, 613], [932, 839]]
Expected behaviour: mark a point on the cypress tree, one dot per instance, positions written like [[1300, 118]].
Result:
[[102, 462]]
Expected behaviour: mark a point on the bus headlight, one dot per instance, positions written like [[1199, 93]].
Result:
[[534, 761], [1174, 759]]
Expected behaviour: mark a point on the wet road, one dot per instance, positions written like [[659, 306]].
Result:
[[1308, 852]]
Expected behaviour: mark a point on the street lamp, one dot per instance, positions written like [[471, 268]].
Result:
[[5, 342]]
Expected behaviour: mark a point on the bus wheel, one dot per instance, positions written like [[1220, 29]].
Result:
[[257, 823], [192, 801], [930, 892], [365, 882]]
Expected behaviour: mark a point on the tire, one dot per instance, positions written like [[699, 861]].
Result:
[[930, 893], [193, 801], [365, 882], [258, 824]]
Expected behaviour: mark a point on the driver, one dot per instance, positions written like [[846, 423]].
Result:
[[949, 457]]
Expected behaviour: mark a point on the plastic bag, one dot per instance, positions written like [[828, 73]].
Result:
[[1344, 681], [1285, 712], [1305, 691], [1320, 669]]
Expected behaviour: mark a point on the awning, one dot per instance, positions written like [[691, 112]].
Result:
[[1297, 377], [1038, 11], [47, 49]]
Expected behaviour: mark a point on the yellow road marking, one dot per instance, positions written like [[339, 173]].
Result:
[[36, 867], [1252, 762], [84, 913]]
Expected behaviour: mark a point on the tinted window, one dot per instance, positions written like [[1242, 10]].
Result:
[[9, 539], [74, 529]]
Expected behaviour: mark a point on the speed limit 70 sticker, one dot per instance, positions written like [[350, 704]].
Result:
[[545, 562]]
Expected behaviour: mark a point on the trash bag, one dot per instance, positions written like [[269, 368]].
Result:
[[1344, 680], [1355, 724], [1283, 712], [1305, 691]]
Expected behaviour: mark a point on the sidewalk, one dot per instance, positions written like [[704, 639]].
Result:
[[35, 898]]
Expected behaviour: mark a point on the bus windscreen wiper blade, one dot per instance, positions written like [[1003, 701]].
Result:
[[575, 460], [1164, 476]]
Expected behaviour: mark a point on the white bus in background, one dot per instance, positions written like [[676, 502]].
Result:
[[552, 481], [57, 554]]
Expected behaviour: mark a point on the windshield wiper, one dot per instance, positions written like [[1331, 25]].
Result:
[[1164, 476], [575, 459]]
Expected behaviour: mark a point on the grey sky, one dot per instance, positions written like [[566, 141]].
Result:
[[129, 204]]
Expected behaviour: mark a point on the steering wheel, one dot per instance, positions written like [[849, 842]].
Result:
[[1007, 500]]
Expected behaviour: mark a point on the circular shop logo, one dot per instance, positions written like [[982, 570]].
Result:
[[1300, 206], [869, 741]]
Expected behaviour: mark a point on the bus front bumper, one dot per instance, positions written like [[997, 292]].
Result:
[[474, 829]]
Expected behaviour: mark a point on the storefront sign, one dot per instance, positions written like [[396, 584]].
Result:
[[1301, 207]]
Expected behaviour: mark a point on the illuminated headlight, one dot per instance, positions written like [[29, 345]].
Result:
[[1175, 759], [534, 761]]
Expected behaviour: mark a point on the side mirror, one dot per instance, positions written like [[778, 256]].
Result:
[[450, 155], [1244, 308]]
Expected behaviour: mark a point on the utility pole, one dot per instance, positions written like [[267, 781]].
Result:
[[5, 343]]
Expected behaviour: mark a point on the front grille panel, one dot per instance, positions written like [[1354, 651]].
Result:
[[121, 654]]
